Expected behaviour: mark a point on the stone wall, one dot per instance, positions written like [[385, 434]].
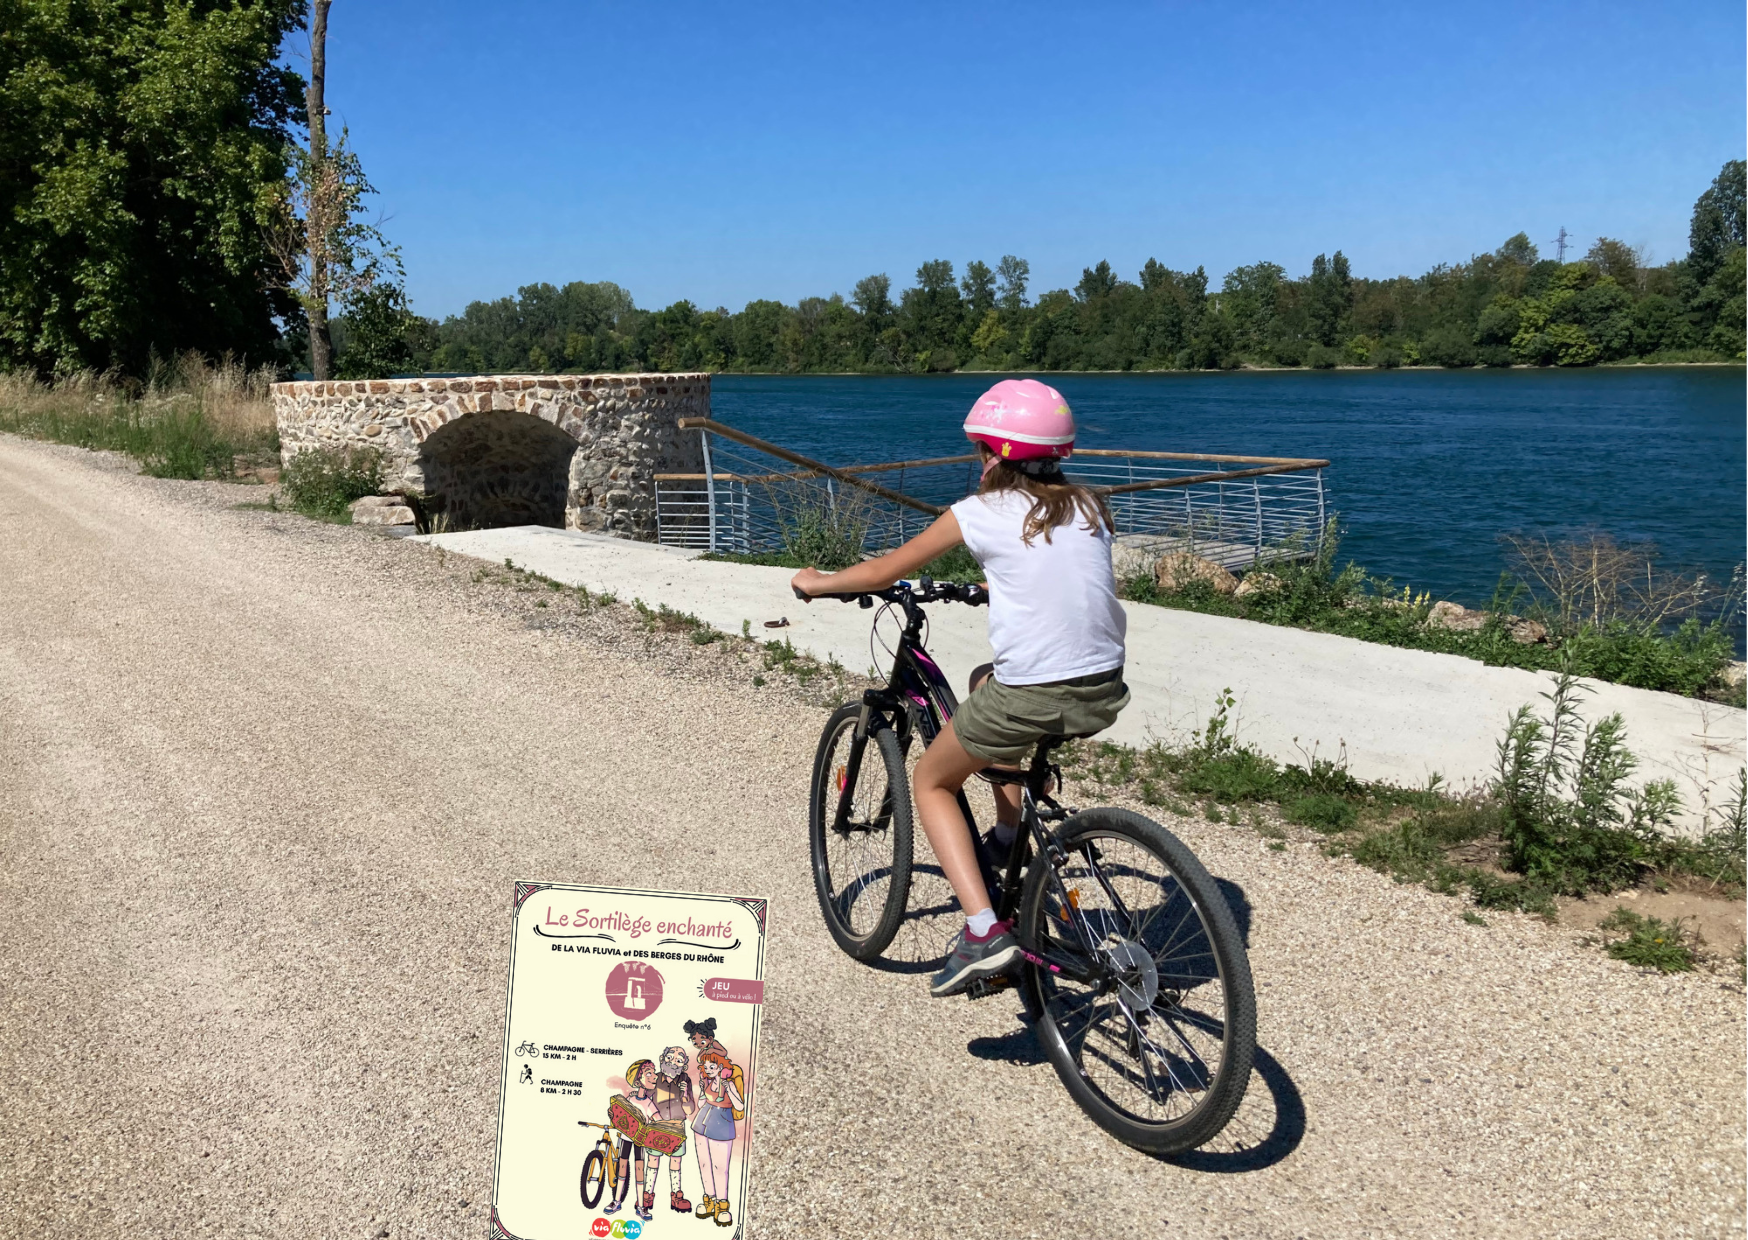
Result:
[[576, 450]]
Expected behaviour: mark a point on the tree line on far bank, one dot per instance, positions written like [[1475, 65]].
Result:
[[1509, 307], [171, 186]]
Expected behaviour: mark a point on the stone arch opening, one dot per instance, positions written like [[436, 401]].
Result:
[[498, 468]]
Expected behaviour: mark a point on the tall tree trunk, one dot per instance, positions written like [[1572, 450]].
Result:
[[321, 345]]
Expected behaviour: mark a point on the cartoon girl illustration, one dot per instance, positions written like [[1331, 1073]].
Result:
[[640, 1080], [703, 1035], [719, 1102]]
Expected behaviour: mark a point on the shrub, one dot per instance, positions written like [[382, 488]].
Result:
[[822, 533], [1322, 357], [321, 482]]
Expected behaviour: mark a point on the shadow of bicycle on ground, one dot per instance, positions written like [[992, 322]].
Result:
[[1269, 1125]]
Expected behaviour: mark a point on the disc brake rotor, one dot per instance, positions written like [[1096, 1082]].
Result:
[[1136, 975]]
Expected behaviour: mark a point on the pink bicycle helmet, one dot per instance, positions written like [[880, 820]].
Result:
[[1022, 420]]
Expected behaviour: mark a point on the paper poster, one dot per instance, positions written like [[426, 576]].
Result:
[[630, 1063]]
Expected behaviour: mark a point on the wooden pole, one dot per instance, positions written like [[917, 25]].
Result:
[[317, 223]]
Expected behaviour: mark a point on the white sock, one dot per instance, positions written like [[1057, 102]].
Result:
[[981, 922], [1005, 832]]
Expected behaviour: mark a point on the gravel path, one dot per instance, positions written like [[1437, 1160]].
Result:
[[265, 784]]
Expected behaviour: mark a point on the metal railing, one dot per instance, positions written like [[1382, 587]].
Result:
[[755, 496]]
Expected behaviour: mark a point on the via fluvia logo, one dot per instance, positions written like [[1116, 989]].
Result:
[[601, 1227]]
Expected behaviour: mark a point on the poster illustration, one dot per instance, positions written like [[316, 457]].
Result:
[[630, 1063]]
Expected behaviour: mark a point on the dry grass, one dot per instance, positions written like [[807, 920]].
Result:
[[189, 418], [1595, 581]]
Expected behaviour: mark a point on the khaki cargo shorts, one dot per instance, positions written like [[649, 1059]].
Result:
[[1002, 724]]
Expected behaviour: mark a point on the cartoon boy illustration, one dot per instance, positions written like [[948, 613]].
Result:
[[674, 1100]]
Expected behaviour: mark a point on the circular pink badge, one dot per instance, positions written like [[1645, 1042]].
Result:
[[634, 990]]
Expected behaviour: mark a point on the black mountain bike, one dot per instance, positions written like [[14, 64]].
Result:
[[1135, 975]]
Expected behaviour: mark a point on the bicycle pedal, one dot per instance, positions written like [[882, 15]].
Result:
[[983, 988]]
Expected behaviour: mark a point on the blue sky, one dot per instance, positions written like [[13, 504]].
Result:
[[722, 153]]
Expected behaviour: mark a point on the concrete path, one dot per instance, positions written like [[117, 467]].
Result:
[[265, 785], [1402, 714]]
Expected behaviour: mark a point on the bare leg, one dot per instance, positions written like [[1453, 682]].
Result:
[[704, 1168], [719, 1156], [943, 770]]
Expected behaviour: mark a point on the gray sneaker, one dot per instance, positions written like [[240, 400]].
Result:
[[972, 959]]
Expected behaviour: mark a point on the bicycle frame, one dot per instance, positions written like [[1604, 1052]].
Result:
[[917, 699]]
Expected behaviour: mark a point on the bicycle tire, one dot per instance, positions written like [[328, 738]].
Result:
[[596, 1163], [1085, 1050], [862, 932]]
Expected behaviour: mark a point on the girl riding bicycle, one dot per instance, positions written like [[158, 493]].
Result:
[[1054, 623]]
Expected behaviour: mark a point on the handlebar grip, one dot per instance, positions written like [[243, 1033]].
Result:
[[801, 594]]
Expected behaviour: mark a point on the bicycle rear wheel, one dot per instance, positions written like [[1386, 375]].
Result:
[[861, 872], [1159, 1053]]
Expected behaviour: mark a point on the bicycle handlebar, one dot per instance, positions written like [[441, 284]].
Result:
[[926, 590]]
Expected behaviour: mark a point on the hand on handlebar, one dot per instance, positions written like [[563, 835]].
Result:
[[803, 580]]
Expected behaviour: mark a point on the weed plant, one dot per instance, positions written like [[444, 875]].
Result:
[[322, 482], [822, 529], [1649, 942]]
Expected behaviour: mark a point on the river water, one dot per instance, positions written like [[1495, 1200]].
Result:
[[1427, 469]]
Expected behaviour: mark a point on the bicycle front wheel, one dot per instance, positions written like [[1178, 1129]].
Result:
[[594, 1178], [1158, 1051], [861, 869]]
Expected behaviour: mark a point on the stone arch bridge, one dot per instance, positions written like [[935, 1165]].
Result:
[[573, 451]]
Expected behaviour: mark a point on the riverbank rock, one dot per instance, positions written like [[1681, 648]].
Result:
[[1175, 571], [1256, 582], [1460, 619], [1526, 632], [381, 510], [1734, 674], [1456, 617]]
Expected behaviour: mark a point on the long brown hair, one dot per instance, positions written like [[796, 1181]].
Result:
[[1055, 500]]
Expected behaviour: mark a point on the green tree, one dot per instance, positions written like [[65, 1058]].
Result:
[[377, 334], [873, 297], [930, 315], [978, 286], [142, 144], [1616, 259], [1718, 221], [1012, 273], [1330, 298]]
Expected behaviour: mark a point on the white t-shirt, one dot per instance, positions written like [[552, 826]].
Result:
[[1053, 610]]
